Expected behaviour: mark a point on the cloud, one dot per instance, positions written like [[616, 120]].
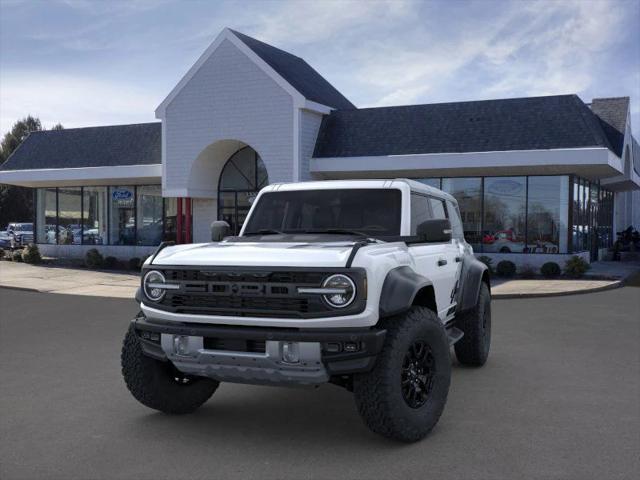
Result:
[[376, 52], [533, 48], [72, 100], [296, 22]]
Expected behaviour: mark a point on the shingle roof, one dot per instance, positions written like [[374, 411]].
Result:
[[298, 73], [532, 123], [612, 113], [114, 145]]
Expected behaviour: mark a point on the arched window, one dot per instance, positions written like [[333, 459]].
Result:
[[242, 177]]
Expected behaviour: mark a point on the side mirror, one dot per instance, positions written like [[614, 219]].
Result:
[[219, 230], [435, 230]]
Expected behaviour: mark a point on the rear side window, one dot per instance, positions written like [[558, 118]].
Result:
[[437, 207], [456, 223], [420, 211]]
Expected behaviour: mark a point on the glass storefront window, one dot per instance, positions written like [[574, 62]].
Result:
[[547, 214], [227, 209], [468, 193], [170, 219], [149, 215], [70, 216], [242, 177], [46, 216], [504, 215], [122, 221], [94, 215], [432, 182], [592, 217]]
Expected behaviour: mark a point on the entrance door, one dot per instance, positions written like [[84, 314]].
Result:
[[242, 177]]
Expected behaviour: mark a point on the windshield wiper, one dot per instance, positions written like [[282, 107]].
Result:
[[264, 231]]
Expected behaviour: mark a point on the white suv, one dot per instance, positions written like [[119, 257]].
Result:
[[362, 283]]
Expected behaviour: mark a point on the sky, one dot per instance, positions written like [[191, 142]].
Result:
[[86, 63]]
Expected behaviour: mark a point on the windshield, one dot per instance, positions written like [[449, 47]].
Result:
[[371, 212], [23, 227]]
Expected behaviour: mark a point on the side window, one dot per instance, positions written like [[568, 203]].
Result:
[[437, 206], [420, 211], [456, 223]]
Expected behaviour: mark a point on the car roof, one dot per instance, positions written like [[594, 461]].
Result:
[[396, 183]]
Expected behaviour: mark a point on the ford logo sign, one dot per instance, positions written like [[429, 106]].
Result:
[[505, 187], [121, 194]]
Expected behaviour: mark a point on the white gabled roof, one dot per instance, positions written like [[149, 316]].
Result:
[[301, 73]]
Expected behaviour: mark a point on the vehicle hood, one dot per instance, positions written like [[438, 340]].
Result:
[[257, 254]]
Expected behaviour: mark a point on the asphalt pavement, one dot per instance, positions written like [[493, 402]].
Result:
[[558, 399]]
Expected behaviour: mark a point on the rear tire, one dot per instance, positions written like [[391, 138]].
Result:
[[473, 348], [404, 395], [159, 385]]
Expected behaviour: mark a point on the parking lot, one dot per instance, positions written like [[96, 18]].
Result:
[[559, 398]]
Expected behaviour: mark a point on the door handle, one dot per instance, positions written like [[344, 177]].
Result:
[[458, 259], [442, 262]]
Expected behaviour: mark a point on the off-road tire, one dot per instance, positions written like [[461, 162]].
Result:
[[473, 348], [378, 393], [153, 382]]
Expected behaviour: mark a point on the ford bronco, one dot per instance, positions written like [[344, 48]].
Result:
[[361, 283]]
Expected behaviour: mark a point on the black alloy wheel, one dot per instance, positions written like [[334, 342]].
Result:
[[418, 370]]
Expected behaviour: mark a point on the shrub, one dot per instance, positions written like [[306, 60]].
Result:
[[110, 263], [550, 269], [506, 268], [93, 258], [527, 271], [1, 253], [576, 266], [31, 254], [16, 256], [134, 263], [487, 261]]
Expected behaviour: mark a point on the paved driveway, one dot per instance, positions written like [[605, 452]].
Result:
[[559, 398]]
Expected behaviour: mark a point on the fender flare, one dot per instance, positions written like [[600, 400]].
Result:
[[400, 287], [473, 271]]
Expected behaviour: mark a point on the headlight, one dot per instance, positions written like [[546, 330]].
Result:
[[344, 290], [153, 285]]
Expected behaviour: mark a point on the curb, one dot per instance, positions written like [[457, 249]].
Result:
[[22, 289], [506, 296]]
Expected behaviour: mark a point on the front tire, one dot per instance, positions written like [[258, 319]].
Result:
[[159, 385], [473, 348], [404, 395]]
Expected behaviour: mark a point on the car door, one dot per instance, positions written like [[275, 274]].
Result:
[[435, 261]]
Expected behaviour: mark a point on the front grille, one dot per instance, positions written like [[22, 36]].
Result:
[[238, 306], [255, 276], [228, 291]]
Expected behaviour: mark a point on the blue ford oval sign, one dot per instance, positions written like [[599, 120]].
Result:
[[122, 194]]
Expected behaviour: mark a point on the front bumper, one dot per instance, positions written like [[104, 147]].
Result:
[[255, 354]]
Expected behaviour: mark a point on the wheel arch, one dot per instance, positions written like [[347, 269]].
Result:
[[474, 273], [403, 288]]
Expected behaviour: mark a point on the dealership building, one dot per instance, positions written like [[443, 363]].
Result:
[[536, 178]]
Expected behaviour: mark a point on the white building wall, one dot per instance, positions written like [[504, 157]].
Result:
[[309, 127], [229, 98], [204, 211]]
